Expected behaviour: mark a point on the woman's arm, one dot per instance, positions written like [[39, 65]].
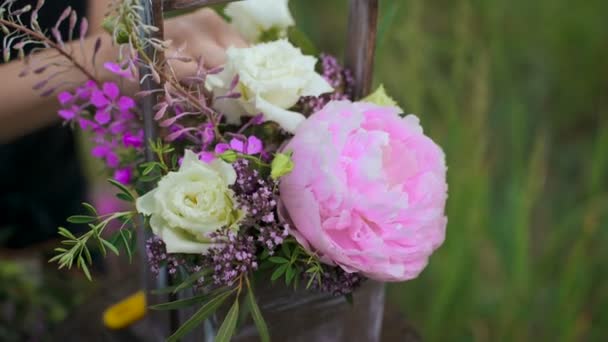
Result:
[[22, 109]]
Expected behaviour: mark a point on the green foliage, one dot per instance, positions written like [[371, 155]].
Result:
[[513, 91], [206, 310], [256, 314], [77, 250], [281, 165]]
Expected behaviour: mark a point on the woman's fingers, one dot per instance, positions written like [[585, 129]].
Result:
[[205, 34]]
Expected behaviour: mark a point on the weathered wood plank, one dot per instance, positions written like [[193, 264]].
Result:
[[361, 43]]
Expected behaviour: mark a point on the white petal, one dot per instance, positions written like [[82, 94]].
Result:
[[317, 86], [146, 204], [225, 170], [190, 160], [175, 240], [288, 120]]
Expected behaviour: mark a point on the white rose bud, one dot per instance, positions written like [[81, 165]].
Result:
[[252, 18], [272, 78], [191, 203]]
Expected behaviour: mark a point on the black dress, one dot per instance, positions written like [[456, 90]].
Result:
[[41, 180]]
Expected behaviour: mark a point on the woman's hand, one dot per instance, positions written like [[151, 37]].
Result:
[[202, 33]]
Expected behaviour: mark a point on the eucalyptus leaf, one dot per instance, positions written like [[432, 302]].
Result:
[[256, 314], [202, 314], [228, 327], [186, 302]]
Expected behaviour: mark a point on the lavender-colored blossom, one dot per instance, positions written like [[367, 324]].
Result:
[[116, 69], [254, 194], [272, 235], [234, 255], [158, 257]]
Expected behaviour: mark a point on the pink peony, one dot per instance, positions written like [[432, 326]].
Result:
[[368, 191]]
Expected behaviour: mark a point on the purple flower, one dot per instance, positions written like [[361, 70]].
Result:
[[234, 255], [65, 97], [106, 152], [118, 70], [123, 175], [107, 99], [253, 145], [70, 113], [133, 140]]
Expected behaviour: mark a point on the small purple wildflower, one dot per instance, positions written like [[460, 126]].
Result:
[[113, 123], [254, 194], [273, 235], [251, 146], [158, 257], [233, 256]]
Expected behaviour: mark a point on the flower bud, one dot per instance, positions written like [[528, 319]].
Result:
[[281, 165]]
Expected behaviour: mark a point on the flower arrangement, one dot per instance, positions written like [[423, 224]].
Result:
[[265, 167]]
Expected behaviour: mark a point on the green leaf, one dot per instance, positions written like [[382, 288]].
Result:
[[127, 194], [127, 237], [256, 314], [91, 209], [85, 268], [124, 197], [202, 314], [110, 246], [286, 250], [186, 302], [381, 98], [301, 40], [229, 325], [66, 233], [281, 165], [278, 260], [289, 275], [279, 272], [194, 277]]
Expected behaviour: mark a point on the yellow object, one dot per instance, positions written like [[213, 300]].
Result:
[[125, 312]]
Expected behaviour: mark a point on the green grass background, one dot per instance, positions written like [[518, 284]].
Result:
[[516, 93]]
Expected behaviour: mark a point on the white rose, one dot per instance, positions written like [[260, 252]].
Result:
[[189, 204], [254, 17], [272, 78]]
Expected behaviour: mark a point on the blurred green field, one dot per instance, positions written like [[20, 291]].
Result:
[[516, 93]]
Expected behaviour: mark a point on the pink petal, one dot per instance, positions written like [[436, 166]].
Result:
[[67, 114], [65, 97], [254, 145], [98, 99], [86, 124], [123, 175], [131, 140], [221, 148], [111, 90], [125, 103], [103, 116], [112, 159], [207, 157], [237, 145], [99, 151]]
